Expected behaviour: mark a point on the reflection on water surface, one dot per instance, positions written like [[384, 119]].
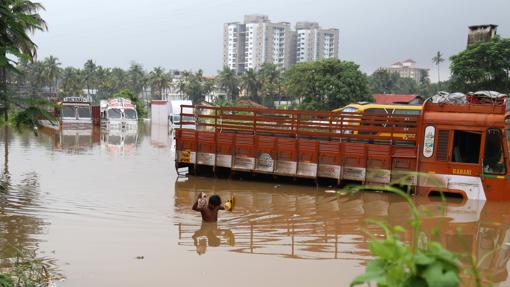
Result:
[[92, 213]]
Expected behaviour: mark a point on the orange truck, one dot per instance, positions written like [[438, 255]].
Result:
[[459, 149]]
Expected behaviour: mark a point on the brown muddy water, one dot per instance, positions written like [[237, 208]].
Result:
[[109, 210]]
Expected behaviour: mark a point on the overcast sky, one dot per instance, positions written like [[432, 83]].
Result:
[[188, 34]]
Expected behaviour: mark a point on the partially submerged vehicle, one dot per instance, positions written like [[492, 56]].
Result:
[[118, 113], [75, 111], [181, 117], [461, 149]]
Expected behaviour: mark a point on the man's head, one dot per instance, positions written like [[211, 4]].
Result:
[[214, 200]]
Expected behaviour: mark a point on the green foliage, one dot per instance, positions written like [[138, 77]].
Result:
[[426, 263], [29, 111], [195, 86], [229, 82], [384, 82], [270, 83], [5, 280], [327, 84], [482, 66], [250, 84], [437, 60], [18, 18], [71, 83], [26, 270], [159, 81], [140, 106]]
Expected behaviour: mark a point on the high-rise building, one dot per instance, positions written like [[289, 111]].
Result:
[[314, 43], [233, 46], [257, 41]]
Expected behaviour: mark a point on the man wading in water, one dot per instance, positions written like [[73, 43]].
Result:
[[210, 211]]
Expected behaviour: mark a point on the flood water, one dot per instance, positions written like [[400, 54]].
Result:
[[109, 210]]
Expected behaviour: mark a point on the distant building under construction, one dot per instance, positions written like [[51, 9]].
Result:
[[481, 33]]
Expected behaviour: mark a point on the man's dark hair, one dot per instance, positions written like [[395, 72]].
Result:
[[215, 200]]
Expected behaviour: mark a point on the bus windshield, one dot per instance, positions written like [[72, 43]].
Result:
[[84, 112], [130, 114], [114, 114], [68, 112]]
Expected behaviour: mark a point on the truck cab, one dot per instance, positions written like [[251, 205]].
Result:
[[465, 150]]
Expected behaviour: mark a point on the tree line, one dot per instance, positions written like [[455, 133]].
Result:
[[320, 85], [329, 83]]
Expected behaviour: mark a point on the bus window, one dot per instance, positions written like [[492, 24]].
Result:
[[493, 160], [466, 146], [375, 111], [407, 112], [350, 110]]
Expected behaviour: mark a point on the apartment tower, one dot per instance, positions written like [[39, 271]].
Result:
[[314, 43], [257, 41]]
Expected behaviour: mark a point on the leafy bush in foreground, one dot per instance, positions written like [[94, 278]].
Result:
[[426, 263]]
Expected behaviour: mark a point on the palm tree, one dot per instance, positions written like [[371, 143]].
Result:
[[195, 86], [438, 59], [136, 76], [269, 78], [118, 80], [18, 18], [89, 74], [52, 72], [72, 84], [160, 81], [250, 84], [182, 83], [229, 82]]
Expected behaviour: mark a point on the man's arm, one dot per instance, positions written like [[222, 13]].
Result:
[[195, 206]]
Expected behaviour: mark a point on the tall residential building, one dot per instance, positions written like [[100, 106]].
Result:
[[233, 46], [257, 41], [314, 43], [407, 69]]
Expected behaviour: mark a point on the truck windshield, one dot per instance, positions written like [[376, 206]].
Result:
[[68, 112], [84, 112], [114, 114], [494, 160], [130, 114], [188, 119]]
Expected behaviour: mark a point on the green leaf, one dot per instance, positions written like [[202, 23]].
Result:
[[5, 281], [436, 275], [416, 282], [384, 249], [373, 272], [423, 259]]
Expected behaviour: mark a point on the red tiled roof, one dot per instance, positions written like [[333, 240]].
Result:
[[409, 61], [392, 98]]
